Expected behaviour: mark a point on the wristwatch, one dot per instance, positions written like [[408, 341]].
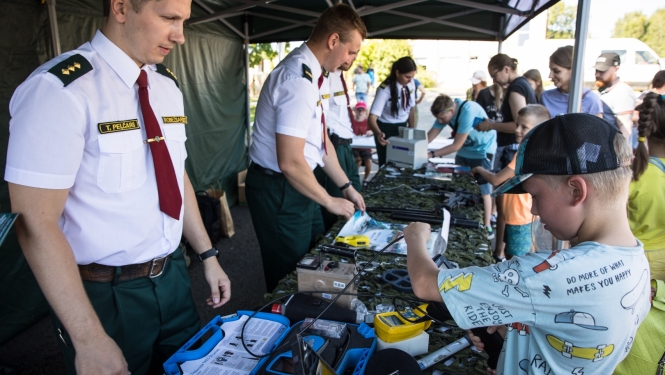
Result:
[[345, 186], [207, 254], [432, 154]]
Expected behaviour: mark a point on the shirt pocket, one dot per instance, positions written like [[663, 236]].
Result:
[[175, 136], [340, 101], [122, 161]]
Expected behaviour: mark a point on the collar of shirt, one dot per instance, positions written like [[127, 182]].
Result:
[[311, 61], [117, 59]]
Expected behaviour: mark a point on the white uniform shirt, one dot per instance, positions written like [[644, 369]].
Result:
[[621, 99], [337, 118], [290, 104], [382, 103], [112, 214]]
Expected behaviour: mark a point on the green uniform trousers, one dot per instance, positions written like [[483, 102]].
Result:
[[149, 319], [350, 168], [285, 221], [389, 130]]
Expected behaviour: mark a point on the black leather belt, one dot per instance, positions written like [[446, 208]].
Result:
[[336, 140], [267, 171]]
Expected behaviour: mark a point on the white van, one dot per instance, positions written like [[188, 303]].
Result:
[[639, 63]]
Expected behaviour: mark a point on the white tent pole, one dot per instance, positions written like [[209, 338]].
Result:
[[249, 82], [577, 74], [53, 20]]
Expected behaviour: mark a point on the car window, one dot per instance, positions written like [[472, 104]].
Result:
[[645, 57]]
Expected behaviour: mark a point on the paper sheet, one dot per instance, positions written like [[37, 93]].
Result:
[[229, 357]]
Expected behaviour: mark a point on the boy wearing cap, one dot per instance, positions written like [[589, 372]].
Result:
[[568, 311], [617, 96]]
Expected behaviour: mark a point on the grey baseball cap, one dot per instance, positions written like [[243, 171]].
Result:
[[581, 319], [606, 61]]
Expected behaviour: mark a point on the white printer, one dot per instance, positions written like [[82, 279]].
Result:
[[409, 149]]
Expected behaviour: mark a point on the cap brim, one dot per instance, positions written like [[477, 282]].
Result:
[[595, 328], [512, 186], [474, 81], [600, 67]]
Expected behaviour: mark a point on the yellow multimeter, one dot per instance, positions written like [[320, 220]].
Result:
[[391, 327], [357, 240]]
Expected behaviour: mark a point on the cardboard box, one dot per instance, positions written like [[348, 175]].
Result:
[[242, 199]]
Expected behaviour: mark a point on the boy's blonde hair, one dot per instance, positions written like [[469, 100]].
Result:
[[612, 186], [537, 111]]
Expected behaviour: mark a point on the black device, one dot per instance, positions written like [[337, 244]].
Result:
[[493, 343], [338, 250], [208, 253]]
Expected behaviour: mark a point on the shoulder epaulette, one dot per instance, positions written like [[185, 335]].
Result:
[[166, 72], [71, 68], [384, 84], [307, 72], [325, 72]]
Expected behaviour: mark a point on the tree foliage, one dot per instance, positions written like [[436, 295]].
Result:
[[382, 53], [259, 52], [561, 21], [631, 25], [649, 30]]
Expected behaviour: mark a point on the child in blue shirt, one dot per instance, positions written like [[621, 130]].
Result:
[[568, 311], [474, 148]]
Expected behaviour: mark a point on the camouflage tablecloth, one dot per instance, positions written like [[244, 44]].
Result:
[[466, 247]]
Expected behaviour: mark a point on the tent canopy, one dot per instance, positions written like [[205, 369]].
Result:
[[286, 20]]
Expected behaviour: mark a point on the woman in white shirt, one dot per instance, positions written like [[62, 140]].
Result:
[[393, 105]]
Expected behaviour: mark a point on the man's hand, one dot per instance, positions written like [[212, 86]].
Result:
[[220, 285], [100, 355], [381, 138], [352, 194], [484, 126], [341, 207]]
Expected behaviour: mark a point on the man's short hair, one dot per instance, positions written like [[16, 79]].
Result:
[[441, 103], [537, 111], [137, 5], [340, 19]]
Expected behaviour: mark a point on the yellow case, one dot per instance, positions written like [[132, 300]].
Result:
[[391, 327]]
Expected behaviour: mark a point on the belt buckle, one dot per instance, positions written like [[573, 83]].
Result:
[[152, 266]]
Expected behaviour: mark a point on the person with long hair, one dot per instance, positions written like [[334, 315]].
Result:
[[518, 93], [536, 82], [393, 105], [646, 200], [556, 100]]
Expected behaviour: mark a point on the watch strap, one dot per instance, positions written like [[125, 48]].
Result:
[[345, 186], [209, 253]]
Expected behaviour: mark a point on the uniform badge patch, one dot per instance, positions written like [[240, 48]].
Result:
[[339, 93], [166, 72], [175, 119], [325, 96], [118, 126], [307, 72], [71, 68]]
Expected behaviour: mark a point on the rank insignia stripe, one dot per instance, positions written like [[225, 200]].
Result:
[[166, 72], [307, 72], [174, 119], [118, 126], [71, 68]]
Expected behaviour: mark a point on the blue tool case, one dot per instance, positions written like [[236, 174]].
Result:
[[347, 355]]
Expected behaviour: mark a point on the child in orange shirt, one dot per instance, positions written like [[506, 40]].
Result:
[[517, 207]]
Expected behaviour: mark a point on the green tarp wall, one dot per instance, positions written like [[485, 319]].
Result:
[[210, 70]]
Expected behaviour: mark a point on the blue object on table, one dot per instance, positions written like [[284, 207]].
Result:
[[477, 121]]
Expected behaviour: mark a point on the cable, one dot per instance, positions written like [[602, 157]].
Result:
[[339, 294], [397, 187]]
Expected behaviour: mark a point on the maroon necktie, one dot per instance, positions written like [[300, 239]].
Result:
[[323, 117], [346, 92], [170, 200]]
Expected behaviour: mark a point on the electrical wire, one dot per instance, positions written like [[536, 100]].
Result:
[[339, 294], [397, 187]]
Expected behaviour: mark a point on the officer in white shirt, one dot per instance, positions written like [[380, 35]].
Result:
[[95, 166], [290, 140], [340, 131], [393, 105]]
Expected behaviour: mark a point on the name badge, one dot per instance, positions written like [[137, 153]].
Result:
[[175, 119], [118, 126], [339, 93]]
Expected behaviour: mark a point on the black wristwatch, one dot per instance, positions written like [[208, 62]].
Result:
[[210, 253], [432, 153], [345, 186]]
